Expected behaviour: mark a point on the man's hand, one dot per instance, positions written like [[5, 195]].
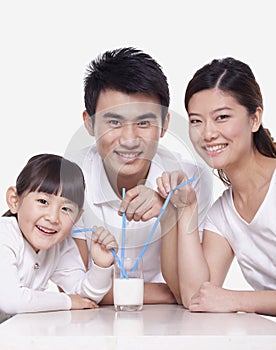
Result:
[[141, 204]]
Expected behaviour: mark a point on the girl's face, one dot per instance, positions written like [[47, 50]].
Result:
[[44, 219], [220, 128]]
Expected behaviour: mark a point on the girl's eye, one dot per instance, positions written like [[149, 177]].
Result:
[[67, 209], [42, 201]]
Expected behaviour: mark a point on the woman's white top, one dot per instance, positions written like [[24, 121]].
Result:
[[254, 243], [25, 274]]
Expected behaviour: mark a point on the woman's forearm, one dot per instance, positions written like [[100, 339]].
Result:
[[192, 266]]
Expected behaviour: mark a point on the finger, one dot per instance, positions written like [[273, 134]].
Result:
[[90, 304], [102, 236], [143, 208], [112, 244], [160, 187], [177, 177], [129, 196], [166, 181]]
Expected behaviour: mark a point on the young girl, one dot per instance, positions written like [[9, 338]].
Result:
[[225, 108], [36, 245]]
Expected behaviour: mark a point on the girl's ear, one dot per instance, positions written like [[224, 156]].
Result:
[[79, 216], [257, 119], [88, 122], [12, 199]]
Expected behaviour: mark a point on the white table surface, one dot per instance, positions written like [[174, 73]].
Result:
[[155, 327]]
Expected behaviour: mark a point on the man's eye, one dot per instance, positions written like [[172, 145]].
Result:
[[144, 123], [114, 123]]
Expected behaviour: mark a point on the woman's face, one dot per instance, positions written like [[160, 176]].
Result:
[[220, 128]]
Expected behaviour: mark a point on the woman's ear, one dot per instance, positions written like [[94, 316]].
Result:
[[256, 119], [12, 199], [88, 122]]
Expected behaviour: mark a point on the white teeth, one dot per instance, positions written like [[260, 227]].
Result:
[[45, 230], [216, 148], [128, 155]]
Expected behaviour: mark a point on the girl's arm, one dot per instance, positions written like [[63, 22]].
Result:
[[83, 249]]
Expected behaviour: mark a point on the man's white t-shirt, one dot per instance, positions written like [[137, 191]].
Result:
[[102, 204], [254, 243]]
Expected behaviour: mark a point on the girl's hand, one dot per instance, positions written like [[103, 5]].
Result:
[[79, 303], [101, 243], [182, 197]]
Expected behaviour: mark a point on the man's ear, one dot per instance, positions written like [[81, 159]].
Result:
[[165, 125], [88, 123], [12, 199], [256, 119]]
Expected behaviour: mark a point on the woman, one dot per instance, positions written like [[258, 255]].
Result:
[[225, 107]]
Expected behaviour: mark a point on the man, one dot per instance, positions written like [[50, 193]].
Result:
[[127, 100]]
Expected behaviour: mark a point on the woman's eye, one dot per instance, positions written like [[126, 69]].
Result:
[[195, 121], [222, 117]]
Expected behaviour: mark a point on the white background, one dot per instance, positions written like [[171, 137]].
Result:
[[46, 45]]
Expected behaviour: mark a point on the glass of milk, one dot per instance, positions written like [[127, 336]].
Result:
[[128, 292]]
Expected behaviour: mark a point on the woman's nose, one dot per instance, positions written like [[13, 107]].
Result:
[[210, 131]]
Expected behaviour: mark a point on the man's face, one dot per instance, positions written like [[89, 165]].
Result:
[[127, 130]]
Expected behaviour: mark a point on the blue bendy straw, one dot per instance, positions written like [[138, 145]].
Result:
[[157, 221], [111, 249], [123, 232]]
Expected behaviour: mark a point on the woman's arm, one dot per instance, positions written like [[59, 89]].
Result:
[[211, 298], [169, 253]]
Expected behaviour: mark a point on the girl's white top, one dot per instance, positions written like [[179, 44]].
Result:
[[25, 274], [254, 243]]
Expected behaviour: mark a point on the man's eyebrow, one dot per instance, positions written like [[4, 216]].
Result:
[[110, 115]]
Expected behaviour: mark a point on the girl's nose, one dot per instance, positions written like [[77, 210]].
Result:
[[52, 215]]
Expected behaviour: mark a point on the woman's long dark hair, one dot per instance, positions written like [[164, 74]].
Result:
[[235, 78], [51, 173]]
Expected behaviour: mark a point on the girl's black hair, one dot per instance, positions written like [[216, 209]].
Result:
[[51, 173]]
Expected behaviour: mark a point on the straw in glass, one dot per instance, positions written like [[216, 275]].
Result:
[[122, 269]]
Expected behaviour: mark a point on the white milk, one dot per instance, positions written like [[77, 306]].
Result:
[[128, 292]]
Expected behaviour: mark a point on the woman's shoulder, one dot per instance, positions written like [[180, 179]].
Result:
[[225, 199]]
